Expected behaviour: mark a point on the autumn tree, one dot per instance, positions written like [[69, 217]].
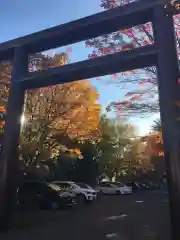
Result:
[[59, 113], [54, 114], [143, 100], [154, 141], [153, 144], [154, 151], [5, 78]]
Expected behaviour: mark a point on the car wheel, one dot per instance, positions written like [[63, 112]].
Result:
[[87, 201], [54, 206]]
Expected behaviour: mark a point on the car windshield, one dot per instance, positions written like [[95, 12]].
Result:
[[63, 186], [54, 186], [83, 185], [113, 185], [118, 184], [107, 184]]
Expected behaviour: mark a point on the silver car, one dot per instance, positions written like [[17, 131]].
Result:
[[112, 188]]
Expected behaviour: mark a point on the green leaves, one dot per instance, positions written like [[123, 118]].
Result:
[[115, 141], [156, 126]]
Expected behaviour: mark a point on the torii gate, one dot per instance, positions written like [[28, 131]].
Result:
[[162, 54]]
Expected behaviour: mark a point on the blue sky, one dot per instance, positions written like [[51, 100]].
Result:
[[21, 17]]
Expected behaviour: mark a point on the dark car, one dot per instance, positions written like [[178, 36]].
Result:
[[65, 187], [43, 195], [152, 185], [135, 186]]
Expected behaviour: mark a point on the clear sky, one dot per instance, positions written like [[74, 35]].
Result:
[[21, 17]]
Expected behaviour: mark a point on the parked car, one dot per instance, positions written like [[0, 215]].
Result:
[[43, 195], [123, 185], [134, 185], [144, 186], [84, 185], [86, 193], [65, 187], [151, 185], [112, 188]]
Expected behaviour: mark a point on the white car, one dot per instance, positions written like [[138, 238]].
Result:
[[97, 191], [88, 193], [112, 188]]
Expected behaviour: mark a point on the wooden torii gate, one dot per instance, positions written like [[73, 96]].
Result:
[[161, 54]]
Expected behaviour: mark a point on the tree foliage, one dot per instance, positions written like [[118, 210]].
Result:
[[64, 110], [5, 78], [53, 114], [144, 101], [135, 160], [154, 144], [156, 126], [120, 153]]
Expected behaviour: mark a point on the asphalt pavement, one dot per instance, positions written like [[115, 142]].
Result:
[[141, 216]]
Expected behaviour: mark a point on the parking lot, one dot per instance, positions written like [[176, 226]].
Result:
[[138, 216]]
